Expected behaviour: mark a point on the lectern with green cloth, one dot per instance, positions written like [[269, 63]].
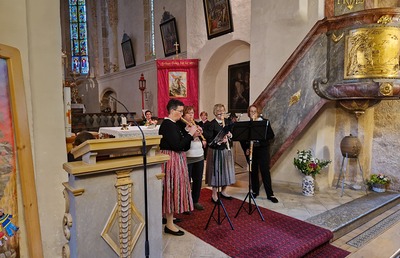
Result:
[[104, 199]]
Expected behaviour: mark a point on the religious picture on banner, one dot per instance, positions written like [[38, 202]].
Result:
[[177, 82]]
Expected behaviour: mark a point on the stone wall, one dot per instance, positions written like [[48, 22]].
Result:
[[385, 148]]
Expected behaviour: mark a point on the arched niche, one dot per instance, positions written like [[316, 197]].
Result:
[[214, 79], [106, 104]]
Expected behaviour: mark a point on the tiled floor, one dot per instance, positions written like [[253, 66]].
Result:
[[293, 204]]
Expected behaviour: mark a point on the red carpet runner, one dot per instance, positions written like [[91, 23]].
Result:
[[278, 236]]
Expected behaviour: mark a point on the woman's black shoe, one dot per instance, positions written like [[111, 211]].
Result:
[[176, 220], [273, 199], [214, 201], [175, 233], [226, 197]]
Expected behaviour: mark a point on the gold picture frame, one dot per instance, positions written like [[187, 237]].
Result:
[[24, 158], [218, 17]]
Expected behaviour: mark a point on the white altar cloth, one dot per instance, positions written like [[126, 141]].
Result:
[[132, 131]]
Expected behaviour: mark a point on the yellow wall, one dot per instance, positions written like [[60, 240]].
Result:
[[34, 28]]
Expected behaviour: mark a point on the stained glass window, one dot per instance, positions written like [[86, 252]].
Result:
[[78, 29]]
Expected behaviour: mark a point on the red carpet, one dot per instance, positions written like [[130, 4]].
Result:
[[278, 236]]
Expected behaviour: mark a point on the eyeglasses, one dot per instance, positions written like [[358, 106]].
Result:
[[180, 111]]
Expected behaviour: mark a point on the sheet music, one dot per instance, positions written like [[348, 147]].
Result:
[[220, 136]]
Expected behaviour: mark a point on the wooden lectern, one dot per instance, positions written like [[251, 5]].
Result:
[[104, 199]]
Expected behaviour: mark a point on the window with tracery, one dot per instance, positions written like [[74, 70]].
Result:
[[79, 41]]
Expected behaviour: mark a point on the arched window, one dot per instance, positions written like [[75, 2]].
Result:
[[78, 32]]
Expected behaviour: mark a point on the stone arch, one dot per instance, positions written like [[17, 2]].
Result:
[[214, 78], [106, 105]]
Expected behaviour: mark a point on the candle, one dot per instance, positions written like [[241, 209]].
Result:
[[124, 120]]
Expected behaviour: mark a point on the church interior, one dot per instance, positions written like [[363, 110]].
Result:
[[322, 71]]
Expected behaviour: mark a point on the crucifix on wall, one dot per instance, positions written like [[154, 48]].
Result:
[[176, 50]]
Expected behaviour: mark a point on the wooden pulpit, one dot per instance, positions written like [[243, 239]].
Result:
[[105, 199]]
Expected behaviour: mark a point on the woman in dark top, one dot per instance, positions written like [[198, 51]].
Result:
[[260, 157], [176, 185], [220, 168]]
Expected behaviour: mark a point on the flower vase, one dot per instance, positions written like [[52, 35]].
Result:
[[379, 188], [308, 186]]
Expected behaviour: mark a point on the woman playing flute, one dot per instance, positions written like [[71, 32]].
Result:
[[195, 156], [220, 168], [176, 186]]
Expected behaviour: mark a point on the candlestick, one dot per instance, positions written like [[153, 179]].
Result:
[[123, 120]]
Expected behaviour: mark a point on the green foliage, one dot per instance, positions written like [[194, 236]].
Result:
[[378, 179], [307, 164]]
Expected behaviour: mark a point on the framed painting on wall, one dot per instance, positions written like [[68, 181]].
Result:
[[169, 36], [127, 51], [218, 17], [16, 152], [238, 87]]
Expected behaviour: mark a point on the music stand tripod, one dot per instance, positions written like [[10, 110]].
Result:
[[219, 202], [250, 131]]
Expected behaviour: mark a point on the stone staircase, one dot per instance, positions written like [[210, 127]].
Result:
[[349, 216]]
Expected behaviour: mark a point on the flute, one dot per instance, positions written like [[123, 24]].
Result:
[[223, 125], [192, 124]]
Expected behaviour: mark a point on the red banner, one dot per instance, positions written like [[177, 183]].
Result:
[[178, 79]]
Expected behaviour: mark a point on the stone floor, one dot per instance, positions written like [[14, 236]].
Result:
[[382, 240]]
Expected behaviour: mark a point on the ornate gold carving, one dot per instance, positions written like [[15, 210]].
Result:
[[372, 53], [386, 89], [160, 176], [295, 98], [349, 3], [385, 19], [125, 223], [66, 252], [66, 197], [75, 192], [67, 224], [335, 38]]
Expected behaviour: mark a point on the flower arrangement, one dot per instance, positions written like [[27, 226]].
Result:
[[378, 179], [309, 165]]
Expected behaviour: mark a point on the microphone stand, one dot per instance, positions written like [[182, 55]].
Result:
[[144, 154]]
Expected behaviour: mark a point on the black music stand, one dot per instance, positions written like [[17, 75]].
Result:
[[250, 131], [216, 141]]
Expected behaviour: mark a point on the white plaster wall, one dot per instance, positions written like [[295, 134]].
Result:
[[34, 28], [126, 85], [178, 9], [126, 81], [131, 24], [277, 28], [216, 54], [318, 136]]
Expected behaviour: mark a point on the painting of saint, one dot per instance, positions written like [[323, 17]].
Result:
[[177, 84]]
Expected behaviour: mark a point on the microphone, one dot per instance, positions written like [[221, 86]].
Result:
[[144, 154], [111, 99]]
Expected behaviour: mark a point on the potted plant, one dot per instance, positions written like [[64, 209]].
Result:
[[378, 182], [309, 166]]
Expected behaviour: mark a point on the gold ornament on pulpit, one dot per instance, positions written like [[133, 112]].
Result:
[[372, 53]]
